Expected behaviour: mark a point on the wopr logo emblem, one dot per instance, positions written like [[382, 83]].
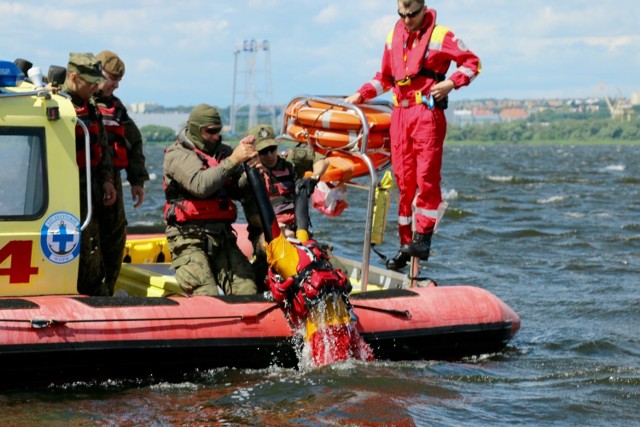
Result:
[[60, 238]]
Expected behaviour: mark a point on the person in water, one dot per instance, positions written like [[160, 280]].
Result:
[[202, 178], [415, 60], [125, 143], [284, 179], [84, 74]]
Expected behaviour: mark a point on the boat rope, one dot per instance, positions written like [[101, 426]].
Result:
[[320, 115], [43, 323], [399, 313], [382, 256], [348, 146]]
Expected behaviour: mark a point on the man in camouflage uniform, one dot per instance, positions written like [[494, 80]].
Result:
[[202, 177], [84, 73], [283, 178], [281, 175], [125, 143], [304, 159]]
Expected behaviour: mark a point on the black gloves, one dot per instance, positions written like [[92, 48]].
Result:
[[306, 184]]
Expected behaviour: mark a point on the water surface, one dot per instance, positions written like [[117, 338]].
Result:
[[554, 231]]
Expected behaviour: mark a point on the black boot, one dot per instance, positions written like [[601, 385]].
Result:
[[419, 247], [398, 262]]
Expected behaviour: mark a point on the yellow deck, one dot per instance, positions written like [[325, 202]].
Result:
[[143, 275]]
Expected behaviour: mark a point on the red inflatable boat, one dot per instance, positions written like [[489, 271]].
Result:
[[49, 332], [86, 337]]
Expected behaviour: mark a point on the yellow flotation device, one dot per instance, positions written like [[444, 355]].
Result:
[[146, 249], [283, 256], [381, 208]]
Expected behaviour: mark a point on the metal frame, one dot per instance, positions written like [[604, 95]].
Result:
[[361, 153]]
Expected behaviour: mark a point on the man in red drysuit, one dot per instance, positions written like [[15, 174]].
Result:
[[416, 58]]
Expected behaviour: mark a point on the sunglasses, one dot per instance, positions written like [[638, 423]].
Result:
[[410, 15], [267, 150], [212, 131], [91, 85]]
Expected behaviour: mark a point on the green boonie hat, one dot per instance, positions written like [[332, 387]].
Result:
[[111, 63], [265, 136], [87, 66]]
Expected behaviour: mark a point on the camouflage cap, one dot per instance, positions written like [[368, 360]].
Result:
[[87, 66], [265, 136], [111, 63]]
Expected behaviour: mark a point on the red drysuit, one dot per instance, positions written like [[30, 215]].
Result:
[[411, 64]]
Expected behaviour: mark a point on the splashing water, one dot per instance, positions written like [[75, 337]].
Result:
[[330, 334]]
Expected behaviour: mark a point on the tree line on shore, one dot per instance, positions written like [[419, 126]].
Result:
[[536, 128], [562, 130]]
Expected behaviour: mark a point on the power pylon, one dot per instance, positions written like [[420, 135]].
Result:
[[257, 93]]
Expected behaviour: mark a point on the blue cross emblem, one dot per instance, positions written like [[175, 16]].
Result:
[[62, 238]]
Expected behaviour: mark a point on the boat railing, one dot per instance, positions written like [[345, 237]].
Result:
[[358, 150], [87, 159]]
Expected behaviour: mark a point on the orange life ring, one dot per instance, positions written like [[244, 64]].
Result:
[[326, 116], [344, 166], [338, 139]]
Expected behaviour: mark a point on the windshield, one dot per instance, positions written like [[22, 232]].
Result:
[[22, 178]]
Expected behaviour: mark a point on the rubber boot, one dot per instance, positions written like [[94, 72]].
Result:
[[397, 262], [419, 247]]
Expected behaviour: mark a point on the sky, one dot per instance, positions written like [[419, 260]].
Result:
[[182, 52]]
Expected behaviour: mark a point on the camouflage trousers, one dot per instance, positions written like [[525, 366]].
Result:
[[91, 266], [208, 257], [113, 234]]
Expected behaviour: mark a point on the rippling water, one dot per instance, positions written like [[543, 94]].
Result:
[[554, 231]]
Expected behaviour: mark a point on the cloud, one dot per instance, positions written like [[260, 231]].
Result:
[[614, 44], [143, 65], [8, 9], [328, 46], [197, 34], [326, 15]]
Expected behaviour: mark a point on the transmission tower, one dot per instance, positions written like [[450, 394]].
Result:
[[257, 93]]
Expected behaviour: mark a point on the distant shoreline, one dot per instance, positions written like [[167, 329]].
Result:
[[234, 141], [546, 142], [175, 121]]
